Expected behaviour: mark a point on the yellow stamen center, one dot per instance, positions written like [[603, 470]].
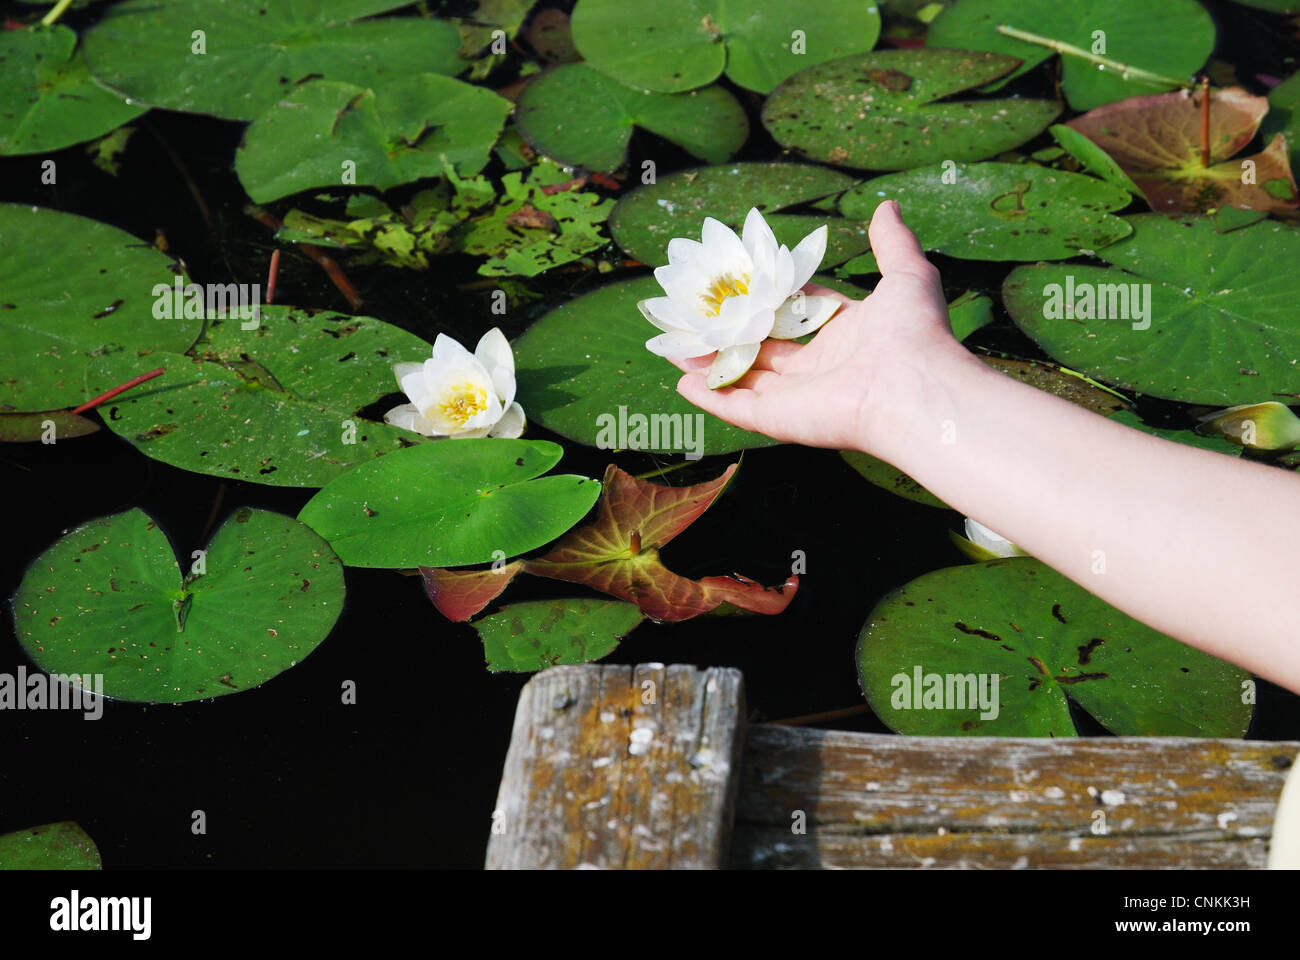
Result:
[[722, 287], [461, 402]]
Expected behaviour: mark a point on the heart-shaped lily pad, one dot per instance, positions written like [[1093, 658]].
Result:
[[1185, 312], [71, 288], [932, 647], [276, 404], [450, 503], [108, 598], [579, 116], [879, 111], [236, 58], [48, 100], [1156, 140], [997, 211], [523, 637], [648, 217], [676, 45], [327, 133], [1162, 37], [584, 372], [52, 846]]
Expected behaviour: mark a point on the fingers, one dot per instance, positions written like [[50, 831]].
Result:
[[896, 247], [735, 406], [772, 355]]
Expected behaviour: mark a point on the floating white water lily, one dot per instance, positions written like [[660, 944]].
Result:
[[987, 544], [456, 393], [727, 294]]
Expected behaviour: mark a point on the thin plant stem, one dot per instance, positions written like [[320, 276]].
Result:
[[109, 395], [55, 12], [1124, 70]]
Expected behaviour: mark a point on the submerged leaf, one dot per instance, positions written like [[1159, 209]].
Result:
[[524, 637], [1156, 140], [618, 554]]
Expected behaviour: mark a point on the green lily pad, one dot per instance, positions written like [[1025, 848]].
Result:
[[48, 100], [581, 117], [998, 211], [52, 846], [968, 313], [584, 365], [1166, 37], [275, 405], [255, 52], [410, 128], [449, 504], [524, 637], [109, 598], [886, 476], [1045, 639], [676, 45], [1094, 158], [878, 111], [646, 218], [71, 288], [1218, 324]]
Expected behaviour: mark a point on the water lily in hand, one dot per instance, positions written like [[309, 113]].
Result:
[[456, 393], [726, 294]]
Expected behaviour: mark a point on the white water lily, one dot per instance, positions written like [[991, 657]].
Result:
[[456, 393], [727, 294], [994, 543]]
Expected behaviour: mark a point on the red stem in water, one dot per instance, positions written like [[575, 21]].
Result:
[[134, 381]]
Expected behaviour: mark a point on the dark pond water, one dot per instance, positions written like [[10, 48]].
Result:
[[287, 775]]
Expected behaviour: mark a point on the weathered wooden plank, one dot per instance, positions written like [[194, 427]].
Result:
[[873, 800], [619, 766]]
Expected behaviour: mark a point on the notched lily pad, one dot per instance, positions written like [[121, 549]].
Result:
[[997, 211], [581, 117], [276, 404], [1184, 312], [524, 637], [995, 649], [109, 598], [886, 110], [646, 218]]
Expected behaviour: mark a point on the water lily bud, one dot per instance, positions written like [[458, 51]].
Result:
[[1263, 426], [981, 543], [460, 394], [727, 294]]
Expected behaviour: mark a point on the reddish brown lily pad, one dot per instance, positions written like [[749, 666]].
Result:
[[1156, 140], [618, 554]]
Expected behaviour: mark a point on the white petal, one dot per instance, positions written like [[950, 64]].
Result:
[[471, 434], [808, 256], [511, 424], [678, 345], [414, 385], [404, 370], [682, 250], [731, 364], [724, 249], [741, 320], [408, 418], [489, 416], [993, 542], [811, 313], [448, 350], [758, 236], [504, 382], [494, 351], [663, 313]]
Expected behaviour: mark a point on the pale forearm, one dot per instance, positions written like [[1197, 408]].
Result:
[[1198, 545]]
